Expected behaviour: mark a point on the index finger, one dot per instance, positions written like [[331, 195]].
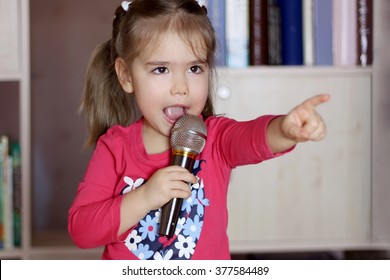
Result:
[[316, 100]]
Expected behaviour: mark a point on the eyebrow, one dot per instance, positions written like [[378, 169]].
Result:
[[156, 63]]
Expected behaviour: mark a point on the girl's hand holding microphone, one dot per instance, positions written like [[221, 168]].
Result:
[[167, 183]]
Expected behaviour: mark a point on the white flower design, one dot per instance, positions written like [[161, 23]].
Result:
[[157, 216], [168, 255], [131, 184], [185, 246], [132, 240]]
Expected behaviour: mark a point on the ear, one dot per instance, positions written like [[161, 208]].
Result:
[[123, 75]]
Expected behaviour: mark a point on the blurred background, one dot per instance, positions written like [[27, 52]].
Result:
[[63, 35]]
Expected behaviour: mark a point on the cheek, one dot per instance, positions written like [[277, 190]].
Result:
[[147, 92], [201, 98], [204, 91], [144, 101]]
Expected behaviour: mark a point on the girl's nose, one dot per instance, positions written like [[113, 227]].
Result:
[[179, 92], [179, 86]]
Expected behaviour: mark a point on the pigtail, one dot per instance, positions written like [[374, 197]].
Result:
[[104, 103]]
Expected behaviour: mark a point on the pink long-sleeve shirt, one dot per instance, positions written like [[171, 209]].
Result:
[[120, 164]]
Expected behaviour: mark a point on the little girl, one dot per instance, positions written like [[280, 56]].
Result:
[[157, 67]]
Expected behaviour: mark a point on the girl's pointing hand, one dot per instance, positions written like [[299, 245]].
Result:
[[303, 123]]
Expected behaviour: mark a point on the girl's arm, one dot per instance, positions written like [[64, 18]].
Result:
[[301, 124]]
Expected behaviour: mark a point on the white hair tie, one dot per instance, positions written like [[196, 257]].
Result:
[[125, 5], [201, 3]]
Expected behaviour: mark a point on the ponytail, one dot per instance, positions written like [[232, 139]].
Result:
[[104, 103]]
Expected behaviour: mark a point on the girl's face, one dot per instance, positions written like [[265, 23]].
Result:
[[168, 81]]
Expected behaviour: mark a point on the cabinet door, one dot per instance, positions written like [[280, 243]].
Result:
[[9, 40], [320, 193]]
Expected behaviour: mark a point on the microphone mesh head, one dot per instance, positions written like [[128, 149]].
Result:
[[189, 132]]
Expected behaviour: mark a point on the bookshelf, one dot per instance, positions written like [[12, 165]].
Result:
[[15, 68], [364, 224]]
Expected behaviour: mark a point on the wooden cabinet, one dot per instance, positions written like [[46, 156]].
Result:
[[319, 195]]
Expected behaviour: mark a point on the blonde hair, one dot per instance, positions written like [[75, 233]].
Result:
[[104, 102]]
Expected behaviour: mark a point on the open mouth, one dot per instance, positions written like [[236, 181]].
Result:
[[173, 113]]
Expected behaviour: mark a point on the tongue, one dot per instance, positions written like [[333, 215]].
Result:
[[173, 113]]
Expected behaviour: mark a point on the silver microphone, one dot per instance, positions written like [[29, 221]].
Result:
[[188, 138]]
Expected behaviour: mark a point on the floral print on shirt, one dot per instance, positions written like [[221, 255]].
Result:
[[144, 240]]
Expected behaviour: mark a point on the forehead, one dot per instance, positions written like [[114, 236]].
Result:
[[170, 43]]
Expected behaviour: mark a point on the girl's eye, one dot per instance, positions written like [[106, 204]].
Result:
[[160, 70], [196, 69]]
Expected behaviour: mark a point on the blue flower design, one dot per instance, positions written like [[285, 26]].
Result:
[[143, 252], [189, 202], [144, 241], [148, 228], [197, 166], [201, 201], [193, 227]]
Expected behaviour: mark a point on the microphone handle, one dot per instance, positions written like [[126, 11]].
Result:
[[171, 210]]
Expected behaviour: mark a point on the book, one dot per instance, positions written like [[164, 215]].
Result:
[[237, 33], [274, 33], [8, 206], [7, 191], [308, 32], [344, 32], [1, 193], [17, 194], [323, 38], [364, 32], [216, 11], [291, 30], [258, 32], [3, 187]]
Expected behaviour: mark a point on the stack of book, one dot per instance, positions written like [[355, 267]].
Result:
[[292, 32], [10, 193]]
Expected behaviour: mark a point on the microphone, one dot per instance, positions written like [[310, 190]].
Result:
[[188, 138]]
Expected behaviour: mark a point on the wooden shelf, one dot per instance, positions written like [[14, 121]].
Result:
[[58, 245], [10, 77]]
